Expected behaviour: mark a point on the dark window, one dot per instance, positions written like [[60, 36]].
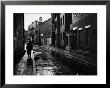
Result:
[[63, 20], [87, 36], [64, 34], [36, 31], [66, 40]]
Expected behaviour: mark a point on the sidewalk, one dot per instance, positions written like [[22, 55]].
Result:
[[76, 55], [25, 67], [74, 61]]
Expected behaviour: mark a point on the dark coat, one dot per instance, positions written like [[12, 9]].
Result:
[[29, 47]]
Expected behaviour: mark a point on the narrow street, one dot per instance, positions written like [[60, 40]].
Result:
[[62, 44], [41, 63], [44, 62]]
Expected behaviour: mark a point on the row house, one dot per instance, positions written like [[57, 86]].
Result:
[[60, 29], [40, 32], [65, 21], [75, 31], [83, 32], [45, 30], [32, 30]]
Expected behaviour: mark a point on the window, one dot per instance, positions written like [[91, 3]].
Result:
[[63, 20], [36, 31]]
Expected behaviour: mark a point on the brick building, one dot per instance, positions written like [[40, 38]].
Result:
[[75, 31], [41, 32], [46, 32], [56, 29], [32, 31], [18, 36], [65, 21], [60, 29], [84, 31], [26, 35]]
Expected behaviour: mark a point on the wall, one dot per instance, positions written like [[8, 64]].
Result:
[[18, 36], [86, 37]]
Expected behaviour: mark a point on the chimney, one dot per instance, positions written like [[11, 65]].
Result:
[[40, 20]]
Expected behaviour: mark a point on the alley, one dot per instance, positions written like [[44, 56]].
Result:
[[41, 63], [61, 44], [44, 62]]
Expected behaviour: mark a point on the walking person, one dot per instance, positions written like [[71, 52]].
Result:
[[29, 47]]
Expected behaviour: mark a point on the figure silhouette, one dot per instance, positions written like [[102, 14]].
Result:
[[29, 48]]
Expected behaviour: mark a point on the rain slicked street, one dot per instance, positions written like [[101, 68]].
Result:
[[55, 44], [41, 63]]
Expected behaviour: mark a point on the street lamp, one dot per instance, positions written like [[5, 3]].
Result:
[[41, 38], [41, 34]]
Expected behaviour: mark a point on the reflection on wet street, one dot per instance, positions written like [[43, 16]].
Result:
[[49, 67], [45, 67], [41, 63], [61, 44], [44, 61]]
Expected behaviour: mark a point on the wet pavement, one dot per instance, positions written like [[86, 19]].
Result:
[[41, 63], [46, 60]]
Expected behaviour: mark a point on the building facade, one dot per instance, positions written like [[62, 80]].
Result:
[[65, 21], [32, 31], [26, 35], [41, 33], [75, 31], [84, 31], [56, 29], [18, 36], [60, 29], [45, 30]]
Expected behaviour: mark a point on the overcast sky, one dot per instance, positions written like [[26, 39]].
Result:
[[29, 18]]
